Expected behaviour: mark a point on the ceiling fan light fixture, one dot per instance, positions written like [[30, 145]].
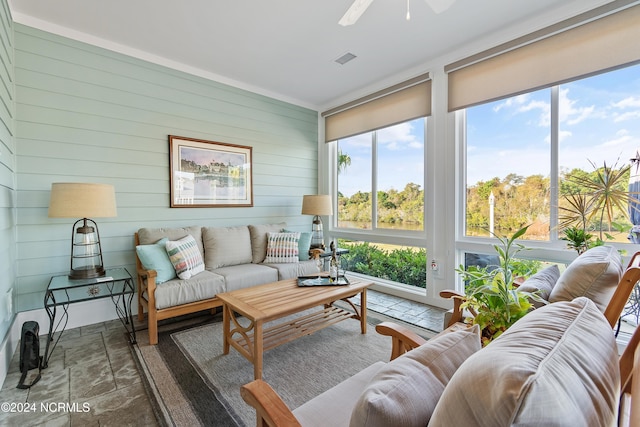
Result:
[[354, 12], [440, 6], [358, 7]]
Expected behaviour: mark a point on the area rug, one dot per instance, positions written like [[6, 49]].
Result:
[[191, 382]]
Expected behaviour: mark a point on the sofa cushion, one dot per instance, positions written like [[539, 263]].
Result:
[[176, 292], [557, 366], [225, 246], [541, 283], [295, 269], [155, 257], [282, 247], [405, 391], [304, 244], [185, 256], [594, 274], [259, 239], [334, 406], [246, 275], [147, 236]]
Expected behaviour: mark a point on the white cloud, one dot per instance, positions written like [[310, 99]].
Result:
[[570, 113], [628, 102], [512, 102], [564, 135], [629, 115], [622, 139], [399, 137]]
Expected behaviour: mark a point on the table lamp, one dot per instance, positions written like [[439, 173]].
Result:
[[81, 200], [317, 204]]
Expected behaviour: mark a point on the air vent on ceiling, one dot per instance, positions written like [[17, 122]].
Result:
[[345, 58]]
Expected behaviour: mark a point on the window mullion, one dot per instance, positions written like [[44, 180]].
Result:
[[554, 191], [374, 180]]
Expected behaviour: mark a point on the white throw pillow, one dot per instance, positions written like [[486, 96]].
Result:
[[541, 283], [185, 257], [282, 248]]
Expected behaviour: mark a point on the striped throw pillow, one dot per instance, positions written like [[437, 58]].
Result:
[[282, 247], [185, 256]]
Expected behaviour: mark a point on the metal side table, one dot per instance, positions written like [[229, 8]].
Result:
[[117, 284]]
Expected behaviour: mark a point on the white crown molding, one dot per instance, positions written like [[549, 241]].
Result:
[[59, 30]]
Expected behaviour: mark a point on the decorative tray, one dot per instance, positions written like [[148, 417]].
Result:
[[321, 281]]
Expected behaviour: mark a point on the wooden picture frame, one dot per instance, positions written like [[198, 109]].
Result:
[[209, 174]]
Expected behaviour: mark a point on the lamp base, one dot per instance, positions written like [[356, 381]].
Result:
[[86, 272]]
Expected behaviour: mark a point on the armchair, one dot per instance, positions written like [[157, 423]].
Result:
[[597, 381]]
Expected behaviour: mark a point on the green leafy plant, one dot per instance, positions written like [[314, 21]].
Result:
[[491, 296], [403, 265], [601, 195], [579, 239]]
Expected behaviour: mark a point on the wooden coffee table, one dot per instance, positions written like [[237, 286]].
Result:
[[264, 303]]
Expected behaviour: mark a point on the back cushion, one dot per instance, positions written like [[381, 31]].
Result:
[[557, 366], [225, 246], [594, 274], [148, 236], [155, 257], [541, 283], [259, 239], [405, 391]]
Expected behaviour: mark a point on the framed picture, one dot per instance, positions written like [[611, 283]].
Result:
[[206, 174]]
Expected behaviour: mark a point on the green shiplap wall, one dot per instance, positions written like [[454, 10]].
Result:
[[7, 169], [86, 114]]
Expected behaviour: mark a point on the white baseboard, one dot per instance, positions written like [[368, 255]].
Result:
[[80, 314]]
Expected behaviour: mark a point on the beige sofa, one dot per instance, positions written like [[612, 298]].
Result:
[[556, 366], [233, 258]]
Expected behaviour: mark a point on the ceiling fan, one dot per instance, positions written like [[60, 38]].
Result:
[[359, 6]]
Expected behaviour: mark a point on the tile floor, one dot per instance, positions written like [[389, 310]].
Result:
[[91, 380], [92, 374]]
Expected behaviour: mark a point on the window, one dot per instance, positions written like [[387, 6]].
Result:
[[355, 161], [380, 175], [380, 203], [513, 144]]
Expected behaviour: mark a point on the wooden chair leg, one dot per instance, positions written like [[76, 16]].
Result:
[[152, 322]]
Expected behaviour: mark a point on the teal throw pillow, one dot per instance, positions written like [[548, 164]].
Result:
[[304, 244], [155, 257]]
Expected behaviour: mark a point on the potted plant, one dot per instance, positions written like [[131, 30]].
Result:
[[492, 298]]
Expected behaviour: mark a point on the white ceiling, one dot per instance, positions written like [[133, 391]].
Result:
[[287, 48]]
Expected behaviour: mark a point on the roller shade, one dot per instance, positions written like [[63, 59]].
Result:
[[400, 103], [590, 46]]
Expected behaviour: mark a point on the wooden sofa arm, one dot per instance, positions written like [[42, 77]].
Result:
[[458, 299], [270, 409], [623, 291], [403, 339]]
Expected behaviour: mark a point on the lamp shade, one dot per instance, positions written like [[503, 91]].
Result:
[[317, 204], [81, 200]]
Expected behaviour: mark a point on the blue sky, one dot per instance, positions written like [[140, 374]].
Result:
[[400, 158], [599, 121]]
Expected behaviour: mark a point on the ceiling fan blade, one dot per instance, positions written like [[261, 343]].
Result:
[[440, 6], [355, 11]]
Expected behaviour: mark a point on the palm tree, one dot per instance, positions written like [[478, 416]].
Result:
[[343, 161], [603, 193]]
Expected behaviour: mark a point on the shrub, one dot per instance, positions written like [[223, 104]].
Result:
[[408, 266]]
